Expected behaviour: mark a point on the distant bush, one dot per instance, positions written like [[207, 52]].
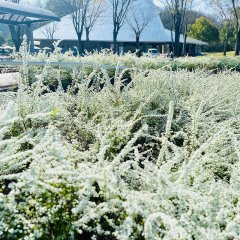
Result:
[[129, 60]]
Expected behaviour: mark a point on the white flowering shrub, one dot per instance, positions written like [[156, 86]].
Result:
[[157, 158], [130, 60]]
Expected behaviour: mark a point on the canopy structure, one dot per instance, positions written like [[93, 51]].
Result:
[[12, 13], [15, 14]]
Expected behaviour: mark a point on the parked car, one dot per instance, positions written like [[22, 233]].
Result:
[[153, 52], [5, 52]]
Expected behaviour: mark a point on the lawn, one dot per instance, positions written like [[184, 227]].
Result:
[[154, 156], [218, 54]]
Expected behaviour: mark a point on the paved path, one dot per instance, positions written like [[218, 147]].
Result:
[[8, 80]]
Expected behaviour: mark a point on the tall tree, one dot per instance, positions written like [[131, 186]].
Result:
[[49, 31], [235, 6], [230, 7], [85, 14], [225, 17], [190, 17], [204, 29], [78, 10], [138, 18], [120, 9], [94, 12], [177, 9]]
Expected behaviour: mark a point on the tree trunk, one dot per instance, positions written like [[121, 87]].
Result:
[[115, 45], [172, 40], [177, 43], [237, 28], [137, 41], [184, 51], [80, 50], [138, 45], [87, 39], [226, 44], [177, 36], [237, 46]]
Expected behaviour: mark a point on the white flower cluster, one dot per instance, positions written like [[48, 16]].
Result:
[[156, 159], [131, 60]]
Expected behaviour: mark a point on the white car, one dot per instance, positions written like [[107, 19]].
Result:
[[153, 52]]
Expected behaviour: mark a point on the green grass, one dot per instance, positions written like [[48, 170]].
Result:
[[218, 54]]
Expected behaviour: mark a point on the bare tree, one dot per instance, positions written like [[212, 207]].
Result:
[[190, 17], [225, 16], [187, 21], [49, 31], [231, 7], [138, 19], [178, 9], [94, 11], [119, 13], [235, 6], [78, 10], [185, 35]]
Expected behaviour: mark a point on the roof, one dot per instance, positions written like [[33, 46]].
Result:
[[12, 13], [154, 32], [189, 39]]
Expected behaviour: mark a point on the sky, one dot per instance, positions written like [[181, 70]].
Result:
[[199, 4], [30, 2]]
